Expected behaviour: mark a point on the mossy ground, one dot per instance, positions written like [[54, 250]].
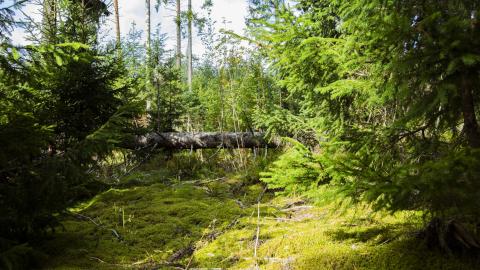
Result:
[[152, 222], [321, 238], [159, 215]]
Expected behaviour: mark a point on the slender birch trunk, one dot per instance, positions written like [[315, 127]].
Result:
[[117, 25], [178, 23]]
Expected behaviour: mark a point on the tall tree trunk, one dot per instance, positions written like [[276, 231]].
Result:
[[470, 125], [117, 27], [178, 23], [148, 51], [189, 52], [49, 21], [148, 40]]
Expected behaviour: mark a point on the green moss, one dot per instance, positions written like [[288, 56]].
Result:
[[317, 239], [153, 221], [157, 215]]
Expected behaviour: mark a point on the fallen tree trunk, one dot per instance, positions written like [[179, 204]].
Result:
[[201, 140]]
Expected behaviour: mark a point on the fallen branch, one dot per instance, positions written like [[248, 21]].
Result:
[[181, 253], [295, 203], [114, 232], [297, 208], [202, 182], [201, 140], [240, 204], [284, 219], [214, 235], [257, 235], [189, 250]]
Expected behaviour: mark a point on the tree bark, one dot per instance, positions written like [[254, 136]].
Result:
[[49, 21], [117, 25], [148, 52], [470, 124], [148, 25], [202, 140], [148, 42], [190, 47], [178, 23]]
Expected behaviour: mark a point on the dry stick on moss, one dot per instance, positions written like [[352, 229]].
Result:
[[257, 235], [117, 266], [240, 204], [201, 238], [214, 235], [211, 236], [114, 232], [258, 228], [138, 164], [102, 261], [202, 182]]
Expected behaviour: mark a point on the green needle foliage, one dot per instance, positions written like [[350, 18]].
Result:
[[62, 110], [296, 171], [378, 99], [389, 91]]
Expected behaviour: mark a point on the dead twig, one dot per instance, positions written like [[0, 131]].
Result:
[[240, 204], [257, 234], [295, 203], [297, 208], [201, 182], [113, 231], [104, 262], [212, 223]]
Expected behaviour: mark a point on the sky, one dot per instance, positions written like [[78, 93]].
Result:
[[232, 11]]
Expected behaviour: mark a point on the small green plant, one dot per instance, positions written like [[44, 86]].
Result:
[[296, 171]]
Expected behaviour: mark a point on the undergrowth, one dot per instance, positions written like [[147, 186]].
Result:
[[165, 216]]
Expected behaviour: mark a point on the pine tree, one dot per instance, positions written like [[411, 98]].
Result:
[[53, 97], [389, 96]]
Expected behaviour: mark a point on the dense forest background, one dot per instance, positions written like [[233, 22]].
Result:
[[372, 102]]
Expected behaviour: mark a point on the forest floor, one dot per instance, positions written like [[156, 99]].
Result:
[[153, 222]]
